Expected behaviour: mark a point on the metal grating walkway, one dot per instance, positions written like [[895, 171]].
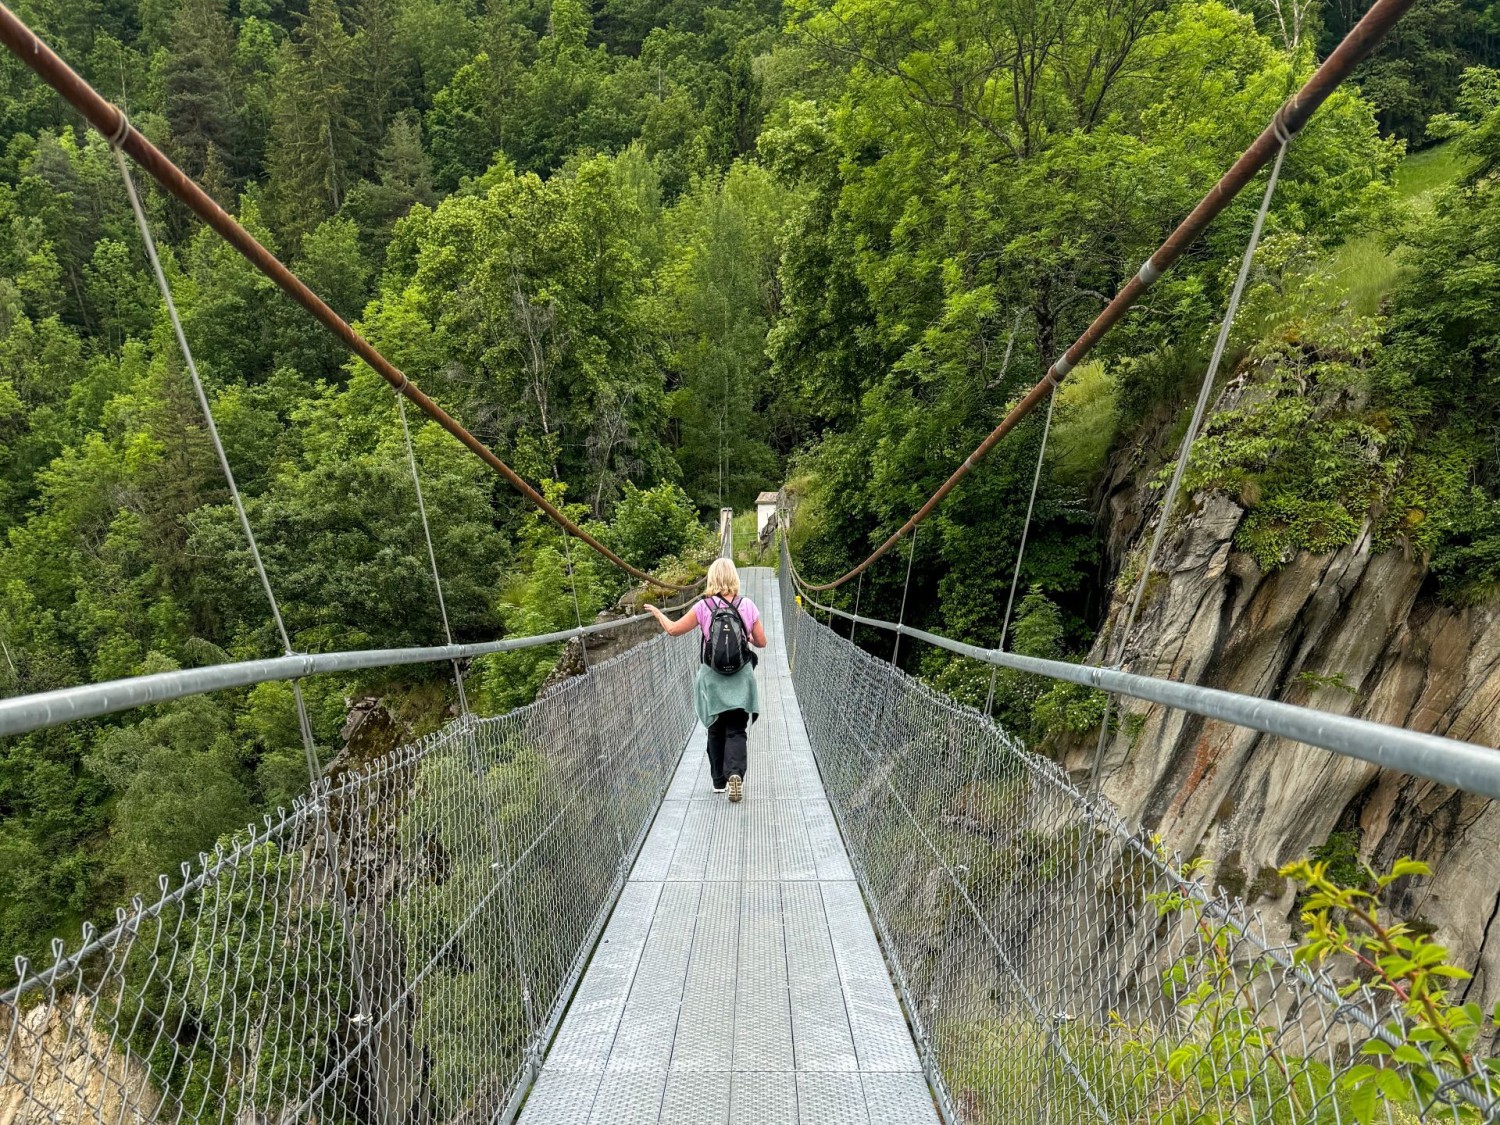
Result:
[[738, 980]]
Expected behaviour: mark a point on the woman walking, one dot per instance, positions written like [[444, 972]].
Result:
[[725, 693]]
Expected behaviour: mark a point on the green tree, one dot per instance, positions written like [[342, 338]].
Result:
[[314, 146], [198, 86], [652, 525], [535, 293], [715, 293], [465, 124], [379, 74]]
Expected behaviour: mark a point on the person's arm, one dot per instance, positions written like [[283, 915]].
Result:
[[684, 624], [757, 631]]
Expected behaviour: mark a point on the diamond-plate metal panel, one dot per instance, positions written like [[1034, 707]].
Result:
[[691, 778], [690, 860], [762, 845], [705, 1027], [587, 1034], [628, 1098], [827, 845], [764, 1098], [898, 1099], [832, 1099], [654, 862], [726, 846], [644, 1040], [763, 1020], [794, 848], [821, 1035], [696, 1099], [881, 1037], [561, 1098]]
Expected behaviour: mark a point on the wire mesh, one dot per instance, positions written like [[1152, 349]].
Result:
[[1056, 966], [397, 947]]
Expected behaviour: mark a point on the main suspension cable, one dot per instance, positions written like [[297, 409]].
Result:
[[113, 124], [1288, 120]]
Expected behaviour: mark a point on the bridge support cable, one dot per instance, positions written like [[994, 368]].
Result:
[[1121, 641], [1286, 123], [911, 557], [319, 805], [1015, 578], [114, 125], [304, 724], [437, 580]]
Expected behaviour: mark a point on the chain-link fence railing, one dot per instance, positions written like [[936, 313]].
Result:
[[397, 948], [1058, 967]]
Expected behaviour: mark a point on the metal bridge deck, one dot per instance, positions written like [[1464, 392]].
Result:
[[738, 980]]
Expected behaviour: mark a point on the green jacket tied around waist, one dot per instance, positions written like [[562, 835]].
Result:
[[715, 693]]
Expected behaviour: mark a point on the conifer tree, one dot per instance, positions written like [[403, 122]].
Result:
[[314, 135], [379, 75], [198, 92]]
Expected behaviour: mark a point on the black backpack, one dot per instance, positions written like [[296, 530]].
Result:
[[726, 649]]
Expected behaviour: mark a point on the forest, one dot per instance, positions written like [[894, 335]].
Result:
[[662, 256]]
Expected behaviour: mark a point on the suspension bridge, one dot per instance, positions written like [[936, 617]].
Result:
[[547, 916]]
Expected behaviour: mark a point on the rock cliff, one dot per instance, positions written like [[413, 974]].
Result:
[[1354, 632]]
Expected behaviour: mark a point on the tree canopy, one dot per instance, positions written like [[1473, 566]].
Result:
[[663, 256]]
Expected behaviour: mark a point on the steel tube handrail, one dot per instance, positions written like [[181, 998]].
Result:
[[1447, 761], [24, 713]]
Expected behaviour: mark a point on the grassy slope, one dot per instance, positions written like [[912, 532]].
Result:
[[1363, 270]]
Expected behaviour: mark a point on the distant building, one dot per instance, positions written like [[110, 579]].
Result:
[[765, 511]]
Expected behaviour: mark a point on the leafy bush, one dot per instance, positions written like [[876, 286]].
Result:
[[1084, 428], [1225, 1062], [653, 524]]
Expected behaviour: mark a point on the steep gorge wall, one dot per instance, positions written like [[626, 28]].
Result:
[[1350, 632]]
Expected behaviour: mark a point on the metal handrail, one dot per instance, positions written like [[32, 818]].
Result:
[[1447, 761], [24, 713]]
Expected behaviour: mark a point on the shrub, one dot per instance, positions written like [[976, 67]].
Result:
[[653, 524]]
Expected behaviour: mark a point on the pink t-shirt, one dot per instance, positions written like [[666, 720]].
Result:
[[705, 613]]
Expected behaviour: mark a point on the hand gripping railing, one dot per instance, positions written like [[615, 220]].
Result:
[[409, 965], [1057, 966]]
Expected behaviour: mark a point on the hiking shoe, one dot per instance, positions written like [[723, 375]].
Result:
[[735, 787], [719, 788]]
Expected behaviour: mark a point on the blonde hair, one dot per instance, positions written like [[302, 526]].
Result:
[[723, 579]]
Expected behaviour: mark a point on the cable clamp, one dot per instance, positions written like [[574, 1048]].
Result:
[[1060, 367], [1148, 272], [1278, 127], [122, 130]]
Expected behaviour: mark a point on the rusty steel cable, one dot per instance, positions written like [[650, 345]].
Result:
[[1288, 120], [115, 126]]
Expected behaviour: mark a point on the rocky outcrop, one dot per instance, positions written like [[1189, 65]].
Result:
[[64, 1069], [1351, 632]]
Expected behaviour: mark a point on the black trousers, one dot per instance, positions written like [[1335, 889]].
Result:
[[726, 746]]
